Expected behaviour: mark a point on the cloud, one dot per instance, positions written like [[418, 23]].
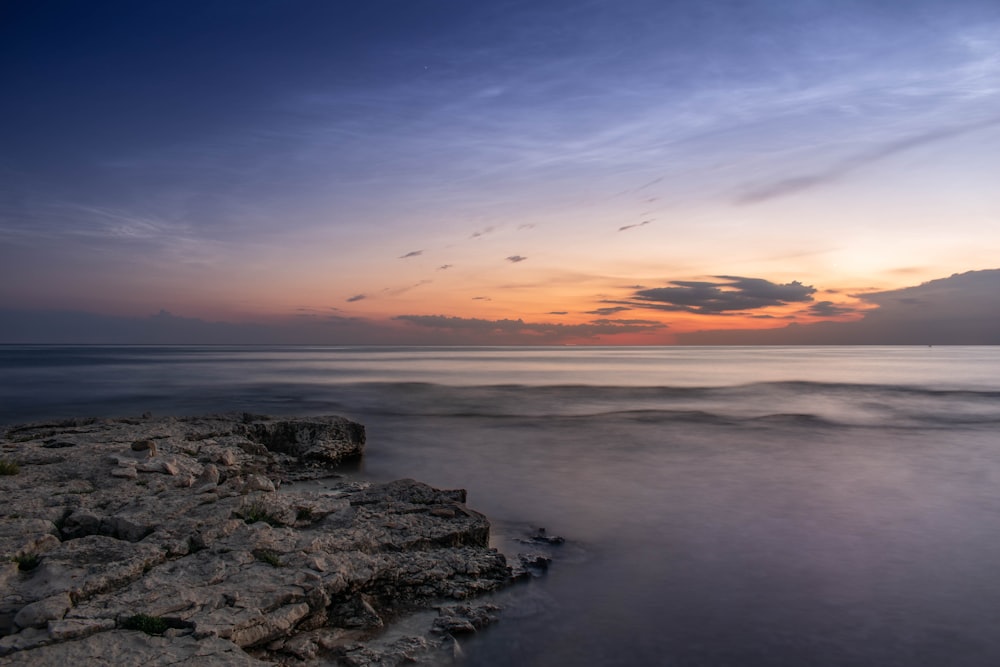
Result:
[[476, 330], [963, 309], [837, 170], [481, 298], [631, 322], [484, 232], [445, 267], [396, 291], [412, 253], [357, 297], [730, 294], [830, 309], [558, 312], [641, 224], [516, 258], [611, 310]]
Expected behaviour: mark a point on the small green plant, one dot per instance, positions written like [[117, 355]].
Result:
[[9, 467], [258, 511], [27, 562], [269, 557], [151, 625]]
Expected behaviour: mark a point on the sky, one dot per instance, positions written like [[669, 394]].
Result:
[[506, 172]]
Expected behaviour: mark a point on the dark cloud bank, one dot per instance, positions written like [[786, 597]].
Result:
[[963, 309], [729, 294]]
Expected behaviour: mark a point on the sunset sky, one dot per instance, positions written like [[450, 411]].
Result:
[[432, 171]]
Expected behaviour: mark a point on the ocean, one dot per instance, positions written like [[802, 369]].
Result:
[[721, 506]]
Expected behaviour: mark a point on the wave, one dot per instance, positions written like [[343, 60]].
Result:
[[807, 404], [811, 404]]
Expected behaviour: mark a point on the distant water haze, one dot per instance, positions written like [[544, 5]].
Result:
[[722, 506]]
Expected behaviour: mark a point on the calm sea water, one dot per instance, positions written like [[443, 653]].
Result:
[[722, 506]]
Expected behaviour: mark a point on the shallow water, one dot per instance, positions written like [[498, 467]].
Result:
[[723, 506]]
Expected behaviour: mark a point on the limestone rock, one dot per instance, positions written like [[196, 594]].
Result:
[[223, 568], [320, 439], [39, 613]]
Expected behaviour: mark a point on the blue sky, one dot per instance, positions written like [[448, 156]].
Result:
[[421, 171]]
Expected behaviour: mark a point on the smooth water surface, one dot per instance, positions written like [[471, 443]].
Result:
[[723, 506]]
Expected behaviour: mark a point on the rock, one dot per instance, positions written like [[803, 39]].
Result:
[[223, 567], [125, 472], [464, 619], [135, 648], [209, 475], [38, 614], [207, 480], [144, 446], [530, 565], [402, 651], [327, 440], [77, 628], [21, 643], [159, 465], [257, 483], [544, 538]]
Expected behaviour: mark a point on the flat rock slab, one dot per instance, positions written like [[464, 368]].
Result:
[[173, 526]]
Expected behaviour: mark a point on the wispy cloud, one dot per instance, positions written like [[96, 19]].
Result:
[[516, 258], [412, 253], [396, 291], [838, 170], [639, 224], [356, 297], [611, 310]]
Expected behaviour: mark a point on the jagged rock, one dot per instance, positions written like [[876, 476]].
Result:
[[323, 439], [225, 565], [464, 619]]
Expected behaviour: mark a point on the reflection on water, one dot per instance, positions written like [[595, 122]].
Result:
[[715, 546], [738, 506]]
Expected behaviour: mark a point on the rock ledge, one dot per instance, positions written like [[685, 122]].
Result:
[[174, 526]]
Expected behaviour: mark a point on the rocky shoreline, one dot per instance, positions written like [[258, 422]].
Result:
[[165, 540]]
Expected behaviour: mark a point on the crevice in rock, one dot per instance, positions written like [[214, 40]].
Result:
[[79, 524]]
